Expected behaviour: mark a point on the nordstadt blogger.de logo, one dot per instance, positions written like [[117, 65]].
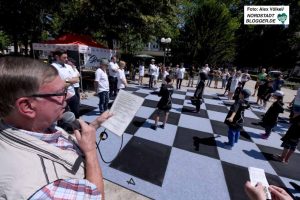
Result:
[[266, 15]]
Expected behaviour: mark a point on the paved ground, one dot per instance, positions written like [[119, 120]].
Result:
[[114, 191]]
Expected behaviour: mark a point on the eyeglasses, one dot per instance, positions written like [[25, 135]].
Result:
[[64, 93]]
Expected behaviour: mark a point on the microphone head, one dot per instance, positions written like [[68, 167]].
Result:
[[68, 117], [69, 122]]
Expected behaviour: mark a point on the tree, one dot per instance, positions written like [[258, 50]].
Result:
[[207, 33], [4, 41]]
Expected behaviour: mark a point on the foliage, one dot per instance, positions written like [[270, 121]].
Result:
[[208, 32], [4, 40]]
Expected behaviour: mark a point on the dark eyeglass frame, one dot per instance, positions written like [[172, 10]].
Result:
[[64, 93]]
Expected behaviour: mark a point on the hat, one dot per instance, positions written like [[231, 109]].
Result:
[[104, 61], [278, 93], [246, 93], [152, 60]]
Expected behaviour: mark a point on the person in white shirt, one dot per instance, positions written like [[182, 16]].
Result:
[[102, 85], [180, 76], [206, 68], [165, 73], [113, 79], [245, 78], [141, 73], [66, 73], [156, 75], [75, 74], [122, 82], [152, 70]]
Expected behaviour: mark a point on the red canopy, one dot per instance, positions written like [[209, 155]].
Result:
[[75, 39]]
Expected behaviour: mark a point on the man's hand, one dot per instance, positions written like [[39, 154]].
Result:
[[230, 119], [255, 193], [86, 138], [279, 193], [99, 120]]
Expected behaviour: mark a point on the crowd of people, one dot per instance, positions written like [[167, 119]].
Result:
[[36, 95]]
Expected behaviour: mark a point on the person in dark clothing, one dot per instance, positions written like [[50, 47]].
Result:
[[237, 92], [228, 84], [290, 140], [197, 98], [235, 118], [278, 83], [165, 102], [264, 93], [269, 120], [210, 77]]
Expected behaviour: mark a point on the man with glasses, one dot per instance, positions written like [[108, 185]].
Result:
[[38, 159], [66, 72]]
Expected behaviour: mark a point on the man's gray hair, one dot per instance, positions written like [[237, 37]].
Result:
[[19, 77]]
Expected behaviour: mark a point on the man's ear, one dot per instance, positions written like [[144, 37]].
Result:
[[26, 106]]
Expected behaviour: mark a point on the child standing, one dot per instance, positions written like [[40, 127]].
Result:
[[235, 117], [197, 98], [290, 140], [237, 92], [269, 120], [165, 102]]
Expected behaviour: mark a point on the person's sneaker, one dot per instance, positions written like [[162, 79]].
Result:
[[227, 146], [264, 136], [162, 126], [154, 127]]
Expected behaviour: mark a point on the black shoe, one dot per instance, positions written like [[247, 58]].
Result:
[[162, 126], [154, 127]]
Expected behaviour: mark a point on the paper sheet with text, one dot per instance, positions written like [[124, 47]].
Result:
[[124, 109]]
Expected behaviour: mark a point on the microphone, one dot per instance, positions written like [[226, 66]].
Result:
[[69, 123]]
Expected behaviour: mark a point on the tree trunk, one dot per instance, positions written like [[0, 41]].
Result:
[[15, 41]]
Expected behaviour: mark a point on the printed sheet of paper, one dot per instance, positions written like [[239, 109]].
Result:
[[124, 108], [258, 175]]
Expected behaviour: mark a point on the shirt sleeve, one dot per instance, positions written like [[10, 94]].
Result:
[[97, 75], [68, 189], [235, 107]]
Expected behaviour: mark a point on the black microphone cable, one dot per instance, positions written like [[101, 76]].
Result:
[[103, 136]]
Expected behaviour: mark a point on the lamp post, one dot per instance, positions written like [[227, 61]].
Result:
[[165, 42]]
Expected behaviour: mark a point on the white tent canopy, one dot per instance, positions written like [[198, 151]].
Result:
[[92, 55]]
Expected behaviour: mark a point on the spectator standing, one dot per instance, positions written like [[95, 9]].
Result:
[[245, 78], [112, 76], [191, 73], [102, 85], [264, 93], [164, 73], [122, 82], [76, 74], [234, 83], [278, 83], [225, 75], [152, 71], [141, 73], [180, 76], [210, 77], [66, 72], [261, 78], [217, 76]]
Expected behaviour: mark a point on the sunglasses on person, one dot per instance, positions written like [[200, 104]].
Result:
[[64, 94]]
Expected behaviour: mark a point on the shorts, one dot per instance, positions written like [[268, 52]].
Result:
[[159, 111], [289, 145]]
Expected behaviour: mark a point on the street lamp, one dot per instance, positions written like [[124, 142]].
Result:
[[165, 42]]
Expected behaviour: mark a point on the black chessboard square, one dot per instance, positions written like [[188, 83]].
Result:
[[140, 94], [189, 111], [290, 170], [173, 118], [144, 159], [177, 101], [196, 142], [216, 108], [179, 92], [134, 125], [150, 103]]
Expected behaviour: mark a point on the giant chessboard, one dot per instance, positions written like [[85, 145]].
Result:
[[188, 159]]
